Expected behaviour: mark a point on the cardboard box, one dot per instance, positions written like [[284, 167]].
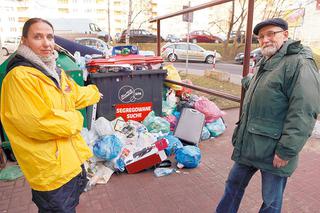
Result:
[[145, 159]]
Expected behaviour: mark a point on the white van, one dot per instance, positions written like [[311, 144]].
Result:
[[75, 28]]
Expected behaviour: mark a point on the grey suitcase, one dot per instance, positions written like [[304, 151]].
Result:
[[189, 126]]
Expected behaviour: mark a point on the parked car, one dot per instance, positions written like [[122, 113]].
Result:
[[172, 38], [95, 43], [9, 45], [202, 36], [178, 51], [138, 36], [255, 54]]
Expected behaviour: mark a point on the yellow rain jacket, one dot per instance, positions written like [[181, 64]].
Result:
[[43, 125]]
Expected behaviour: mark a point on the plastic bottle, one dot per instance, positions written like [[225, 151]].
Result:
[[159, 172]]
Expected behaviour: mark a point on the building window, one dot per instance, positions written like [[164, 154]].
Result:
[[63, 1], [100, 1], [22, 9], [116, 3], [8, 9], [117, 13], [12, 19], [23, 19], [100, 11], [63, 10], [13, 29]]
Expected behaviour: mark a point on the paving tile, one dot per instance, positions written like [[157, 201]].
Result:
[[4, 204]]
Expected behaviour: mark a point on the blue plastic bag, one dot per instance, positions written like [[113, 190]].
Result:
[[189, 156], [176, 114], [107, 148], [205, 134], [216, 128], [173, 146]]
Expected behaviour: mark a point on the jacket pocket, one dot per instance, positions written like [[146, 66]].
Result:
[[261, 140], [235, 131], [267, 128]]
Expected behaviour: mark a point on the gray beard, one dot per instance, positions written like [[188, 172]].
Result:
[[269, 51]]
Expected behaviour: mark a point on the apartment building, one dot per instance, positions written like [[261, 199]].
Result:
[[15, 12]]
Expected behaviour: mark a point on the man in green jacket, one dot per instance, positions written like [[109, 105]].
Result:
[[279, 112]]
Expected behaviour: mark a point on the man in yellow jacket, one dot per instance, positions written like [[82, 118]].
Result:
[[39, 114]]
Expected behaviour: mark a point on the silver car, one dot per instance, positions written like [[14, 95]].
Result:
[[178, 51], [95, 43]]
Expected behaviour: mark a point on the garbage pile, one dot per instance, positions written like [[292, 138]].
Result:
[[130, 146]]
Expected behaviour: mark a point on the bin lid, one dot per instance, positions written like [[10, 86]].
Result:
[[126, 59]]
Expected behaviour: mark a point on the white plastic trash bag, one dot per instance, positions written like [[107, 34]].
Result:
[[103, 126]]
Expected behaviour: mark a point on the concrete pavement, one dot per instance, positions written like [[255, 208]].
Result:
[[195, 190]]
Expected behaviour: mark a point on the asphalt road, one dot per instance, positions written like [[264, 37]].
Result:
[[200, 67]]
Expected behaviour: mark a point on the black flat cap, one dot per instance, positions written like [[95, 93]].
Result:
[[275, 21]]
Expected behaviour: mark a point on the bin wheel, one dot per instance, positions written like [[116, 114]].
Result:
[[172, 57], [9, 154]]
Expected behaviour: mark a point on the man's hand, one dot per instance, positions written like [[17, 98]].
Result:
[[278, 162], [101, 96]]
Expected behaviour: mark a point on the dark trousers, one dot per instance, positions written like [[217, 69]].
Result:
[[61, 200], [272, 190]]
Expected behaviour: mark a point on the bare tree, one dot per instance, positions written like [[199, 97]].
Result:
[[272, 9], [132, 19], [233, 21], [236, 21]]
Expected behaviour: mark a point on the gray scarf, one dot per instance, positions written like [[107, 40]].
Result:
[[47, 63]]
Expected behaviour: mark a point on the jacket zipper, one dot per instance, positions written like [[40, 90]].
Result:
[[70, 138], [259, 76]]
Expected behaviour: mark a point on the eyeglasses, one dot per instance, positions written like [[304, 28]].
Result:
[[270, 34]]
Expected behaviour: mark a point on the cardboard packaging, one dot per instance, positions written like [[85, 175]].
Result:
[[147, 157]]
